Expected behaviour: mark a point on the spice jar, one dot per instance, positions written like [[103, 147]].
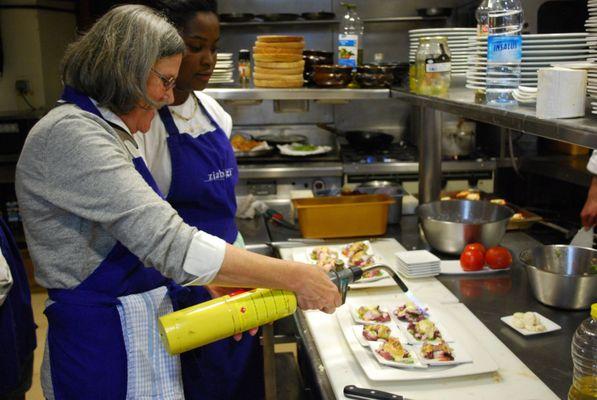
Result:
[[433, 66], [244, 67]]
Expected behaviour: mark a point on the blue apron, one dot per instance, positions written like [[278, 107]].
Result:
[[17, 329], [86, 344], [204, 173]]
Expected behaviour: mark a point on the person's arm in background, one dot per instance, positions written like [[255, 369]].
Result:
[[588, 214]]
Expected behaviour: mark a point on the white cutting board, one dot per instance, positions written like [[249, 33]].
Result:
[[513, 380]]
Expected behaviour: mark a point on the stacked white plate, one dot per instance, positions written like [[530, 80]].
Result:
[[458, 42], [591, 27], [224, 69], [538, 51], [592, 87], [417, 264]]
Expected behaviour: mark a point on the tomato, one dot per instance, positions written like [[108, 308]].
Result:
[[498, 257], [472, 260], [475, 246]]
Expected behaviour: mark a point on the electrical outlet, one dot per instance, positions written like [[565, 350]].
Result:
[[23, 86]]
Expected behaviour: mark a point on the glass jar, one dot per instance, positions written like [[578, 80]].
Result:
[[433, 66]]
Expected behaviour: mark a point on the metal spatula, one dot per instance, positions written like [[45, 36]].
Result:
[[583, 238]]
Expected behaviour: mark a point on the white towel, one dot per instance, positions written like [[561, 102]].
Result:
[[152, 372]]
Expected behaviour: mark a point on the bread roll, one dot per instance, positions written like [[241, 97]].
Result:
[[279, 38], [277, 50], [279, 71], [278, 83], [269, 64], [281, 45], [278, 57]]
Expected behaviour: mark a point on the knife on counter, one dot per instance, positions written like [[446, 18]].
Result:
[[353, 392]]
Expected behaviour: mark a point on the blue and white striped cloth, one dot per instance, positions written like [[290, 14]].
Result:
[[152, 372]]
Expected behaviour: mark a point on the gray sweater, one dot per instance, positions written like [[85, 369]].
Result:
[[79, 193]]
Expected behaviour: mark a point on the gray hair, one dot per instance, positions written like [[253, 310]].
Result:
[[112, 61]]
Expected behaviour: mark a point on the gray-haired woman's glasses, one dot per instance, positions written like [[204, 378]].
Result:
[[168, 82]]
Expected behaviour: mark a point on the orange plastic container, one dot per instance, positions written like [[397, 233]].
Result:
[[344, 216]]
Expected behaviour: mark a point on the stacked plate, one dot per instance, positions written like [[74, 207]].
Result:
[[591, 27], [458, 42], [592, 88], [538, 51], [224, 69], [417, 264]]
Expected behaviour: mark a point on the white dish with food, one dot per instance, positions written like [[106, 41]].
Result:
[[530, 323], [442, 353], [389, 353], [301, 150]]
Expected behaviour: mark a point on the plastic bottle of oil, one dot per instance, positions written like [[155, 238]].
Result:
[[584, 358]]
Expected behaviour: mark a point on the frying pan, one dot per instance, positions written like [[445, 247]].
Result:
[[362, 139]]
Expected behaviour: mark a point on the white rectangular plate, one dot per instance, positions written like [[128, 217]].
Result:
[[550, 326], [452, 267], [481, 360]]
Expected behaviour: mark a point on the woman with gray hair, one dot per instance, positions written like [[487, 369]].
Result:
[[111, 251]]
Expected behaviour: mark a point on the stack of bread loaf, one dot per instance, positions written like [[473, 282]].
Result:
[[278, 61]]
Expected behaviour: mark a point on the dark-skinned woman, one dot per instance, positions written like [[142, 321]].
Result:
[[189, 154]]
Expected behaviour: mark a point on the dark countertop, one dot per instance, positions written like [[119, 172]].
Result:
[[489, 297]]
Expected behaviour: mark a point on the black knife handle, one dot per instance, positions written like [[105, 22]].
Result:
[[353, 392]]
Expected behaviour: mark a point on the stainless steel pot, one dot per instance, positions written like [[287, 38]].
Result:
[[452, 224], [562, 276], [392, 189]]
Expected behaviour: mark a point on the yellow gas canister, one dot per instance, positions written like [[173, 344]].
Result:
[[223, 317]]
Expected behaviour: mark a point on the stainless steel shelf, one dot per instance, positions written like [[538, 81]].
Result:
[[413, 167], [581, 131], [330, 21], [299, 170], [296, 94]]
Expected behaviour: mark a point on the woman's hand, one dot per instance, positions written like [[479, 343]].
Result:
[[588, 214], [315, 291]]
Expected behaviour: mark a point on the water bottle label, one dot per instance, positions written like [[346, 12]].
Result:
[[348, 46], [438, 67], [504, 49]]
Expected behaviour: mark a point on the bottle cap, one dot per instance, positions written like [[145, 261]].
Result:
[[244, 55], [594, 311]]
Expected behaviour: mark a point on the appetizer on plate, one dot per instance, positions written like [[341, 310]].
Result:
[[438, 352], [376, 273], [409, 312], [424, 329], [323, 252], [376, 332], [372, 314], [393, 350], [350, 249], [361, 259]]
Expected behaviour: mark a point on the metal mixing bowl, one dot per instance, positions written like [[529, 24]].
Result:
[[562, 276], [451, 224]]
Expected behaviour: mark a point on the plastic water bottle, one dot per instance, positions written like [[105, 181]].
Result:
[[504, 51], [350, 39], [584, 359]]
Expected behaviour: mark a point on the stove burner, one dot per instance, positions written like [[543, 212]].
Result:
[[397, 152]]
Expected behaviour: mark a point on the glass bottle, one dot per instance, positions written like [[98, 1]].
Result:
[[244, 68]]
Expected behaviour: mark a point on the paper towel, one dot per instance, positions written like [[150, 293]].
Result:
[[562, 93]]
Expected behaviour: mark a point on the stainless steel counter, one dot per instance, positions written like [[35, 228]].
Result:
[[489, 297]]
